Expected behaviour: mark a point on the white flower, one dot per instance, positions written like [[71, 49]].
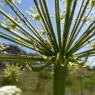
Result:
[[10, 90]]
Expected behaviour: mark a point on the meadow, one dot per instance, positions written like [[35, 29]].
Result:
[[80, 82]]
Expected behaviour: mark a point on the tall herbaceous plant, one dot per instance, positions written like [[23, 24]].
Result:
[[58, 31]]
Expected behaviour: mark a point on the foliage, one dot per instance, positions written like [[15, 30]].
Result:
[[2, 47], [11, 74], [45, 75]]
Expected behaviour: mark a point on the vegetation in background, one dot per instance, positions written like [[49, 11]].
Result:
[[61, 40], [11, 75]]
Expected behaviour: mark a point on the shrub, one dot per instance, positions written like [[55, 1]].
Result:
[[11, 74]]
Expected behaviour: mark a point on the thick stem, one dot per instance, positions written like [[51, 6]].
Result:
[[60, 74]]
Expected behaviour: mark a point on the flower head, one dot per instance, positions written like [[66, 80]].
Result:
[[10, 90]]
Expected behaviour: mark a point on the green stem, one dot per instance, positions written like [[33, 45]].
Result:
[[60, 74]]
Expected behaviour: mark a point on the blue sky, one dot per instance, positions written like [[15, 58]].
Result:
[[24, 6]]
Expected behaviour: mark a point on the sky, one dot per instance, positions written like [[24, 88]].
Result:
[[24, 6]]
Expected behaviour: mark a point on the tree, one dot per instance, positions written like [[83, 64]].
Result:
[[60, 45]]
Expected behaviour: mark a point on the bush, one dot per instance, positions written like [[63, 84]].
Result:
[[11, 75]]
